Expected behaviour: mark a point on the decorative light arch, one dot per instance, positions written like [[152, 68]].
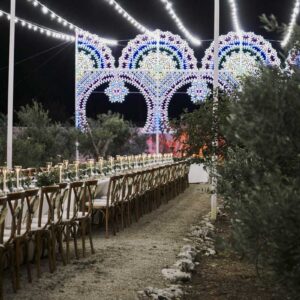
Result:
[[241, 54], [158, 64], [293, 60]]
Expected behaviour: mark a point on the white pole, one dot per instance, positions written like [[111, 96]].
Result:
[[215, 105], [157, 100], [157, 142], [10, 100]]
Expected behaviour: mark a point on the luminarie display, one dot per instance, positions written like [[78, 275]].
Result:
[[117, 91], [199, 91]]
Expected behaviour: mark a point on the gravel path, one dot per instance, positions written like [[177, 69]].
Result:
[[126, 263]]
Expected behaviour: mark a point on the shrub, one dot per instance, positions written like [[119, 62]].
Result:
[[260, 177]]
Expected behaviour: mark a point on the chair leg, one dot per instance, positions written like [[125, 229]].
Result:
[[13, 268], [26, 260], [83, 229], [75, 240], [107, 216], [90, 235], [38, 253], [1, 272], [17, 262], [68, 243], [53, 252], [50, 251], [60, 245]]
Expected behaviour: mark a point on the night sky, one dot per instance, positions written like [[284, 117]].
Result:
[[49, 78]]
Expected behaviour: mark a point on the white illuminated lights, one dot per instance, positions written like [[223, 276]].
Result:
[[55, 17], [127, 16], [234, 15], [41, 29], [292, 24], [169, 7], [116, 91], [199, 91]]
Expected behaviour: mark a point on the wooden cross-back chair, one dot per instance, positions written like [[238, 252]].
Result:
[[32, 201], [84, 215], [136, 197], [111, 206], [6, 246], [42, 226], [128, 197], [16, 229], [70, 212]]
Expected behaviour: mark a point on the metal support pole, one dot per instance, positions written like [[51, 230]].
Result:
[[157, 105], [215, 108], [10, 100], [157, 142]]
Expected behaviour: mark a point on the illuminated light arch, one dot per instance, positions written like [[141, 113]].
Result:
[[99, 78], [159, 42], [293, 60], [226, 83], [158, 64], [241, 54]]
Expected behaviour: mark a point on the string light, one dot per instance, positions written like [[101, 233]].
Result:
[[234, 14], [59, 19], [38, 28], [169, 7], [292, 24], [127, 16]]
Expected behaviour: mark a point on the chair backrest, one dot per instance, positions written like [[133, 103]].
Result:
[[128, 187], [89, 195], [19, 213], [3, 213], [76, 193], [115, 189], [48, 204], [32, 199]]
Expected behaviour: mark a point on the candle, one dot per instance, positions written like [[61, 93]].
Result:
[[49, 165], [100, 160], [18, 169], [91, 164], [76, 163], [60, 166], [4, 171], [66, 163]]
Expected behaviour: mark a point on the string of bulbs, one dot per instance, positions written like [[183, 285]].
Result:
[[168, 6], [234, 15], [38, 28], [59, 19], [292, 24]]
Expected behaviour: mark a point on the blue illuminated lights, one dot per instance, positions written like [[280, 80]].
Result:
[[158, 65], [117, 91], [199, 91]]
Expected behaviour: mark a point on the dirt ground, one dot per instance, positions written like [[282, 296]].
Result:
[[226, 275], [123, 264]]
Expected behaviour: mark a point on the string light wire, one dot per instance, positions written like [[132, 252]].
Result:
[[64, 22], [127, 16], [169, 8], [234, 15], [292, 24], [39, 28]]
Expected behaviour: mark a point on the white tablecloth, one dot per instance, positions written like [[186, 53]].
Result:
[[197, 174]]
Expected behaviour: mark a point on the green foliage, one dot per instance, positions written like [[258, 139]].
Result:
[[198, 128], [110, 134], [260, 176], [47, 178], [270, 24], [40, 140]]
